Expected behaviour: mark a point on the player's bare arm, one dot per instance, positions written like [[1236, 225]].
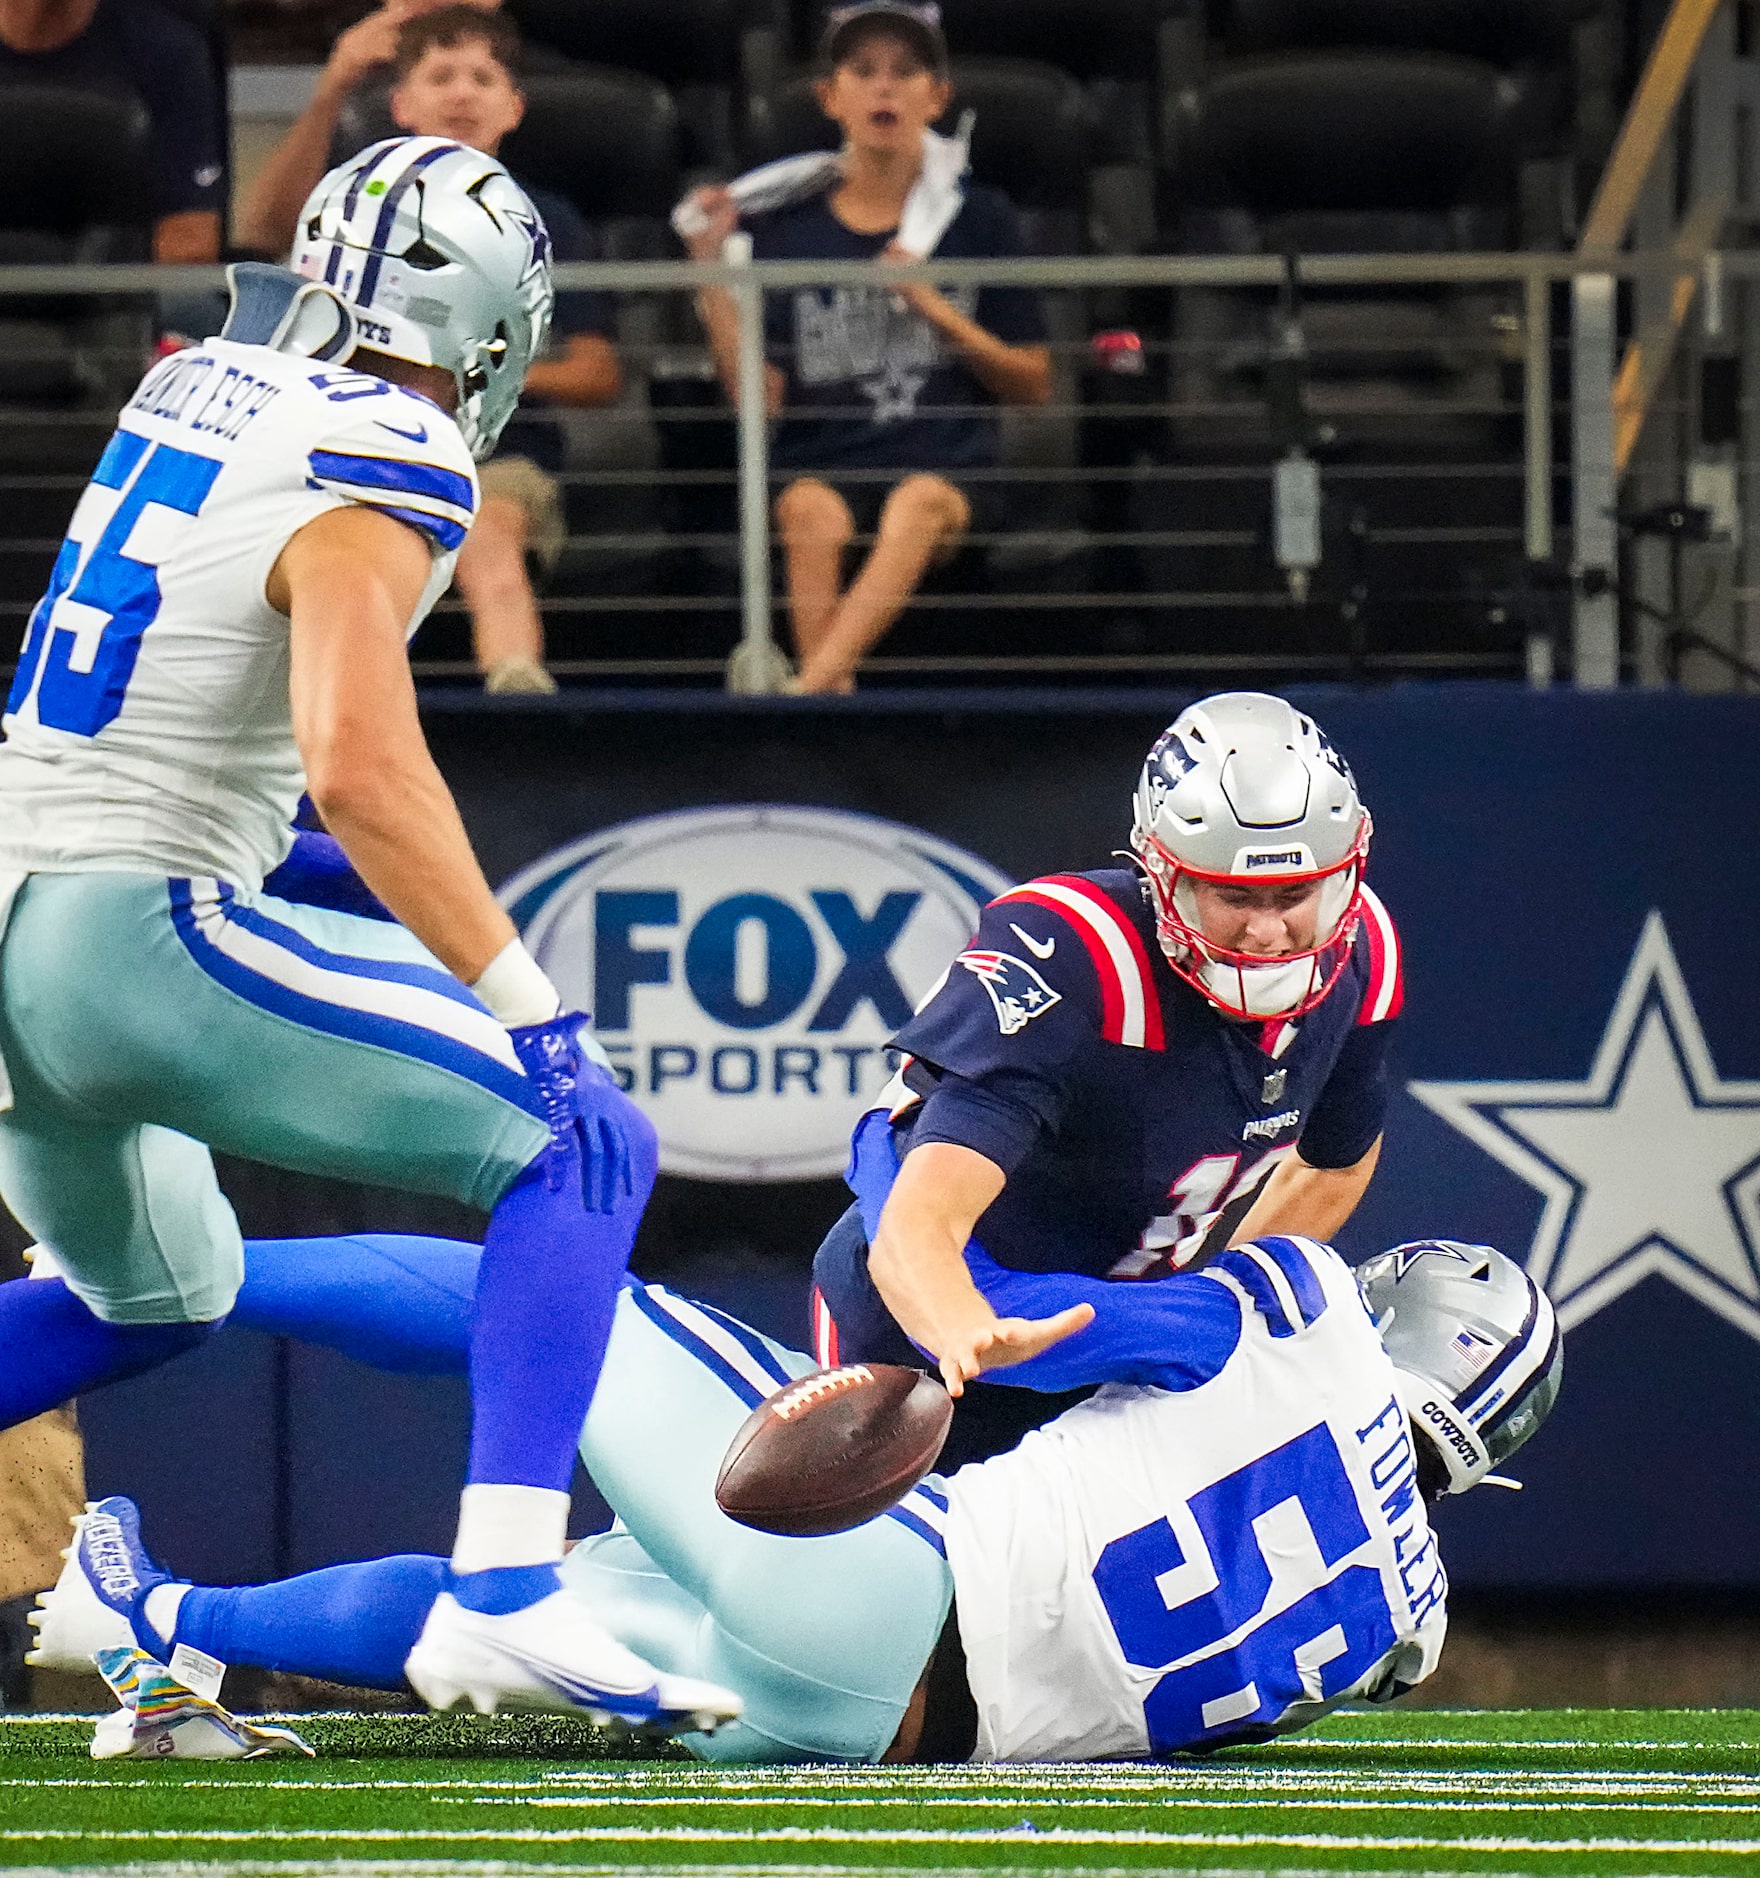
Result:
[[1313, 1201], [349, 583], [917, 1262]]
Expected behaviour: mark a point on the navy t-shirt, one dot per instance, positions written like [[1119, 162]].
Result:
[[530, 433], [871, 384], [139, 49]]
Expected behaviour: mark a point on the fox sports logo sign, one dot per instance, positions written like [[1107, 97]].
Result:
[[745, 966]]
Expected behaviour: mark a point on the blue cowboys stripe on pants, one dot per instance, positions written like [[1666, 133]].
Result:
[[824, 1639], [144, 1021]]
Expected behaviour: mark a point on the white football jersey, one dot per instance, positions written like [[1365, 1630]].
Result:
[[1159, 1569], [149, 727]]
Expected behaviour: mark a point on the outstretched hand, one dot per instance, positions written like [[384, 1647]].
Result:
[[586, 1111], [1000, 1341]]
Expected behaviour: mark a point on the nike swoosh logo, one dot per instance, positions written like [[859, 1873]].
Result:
[[1040, 948], [418, 435]]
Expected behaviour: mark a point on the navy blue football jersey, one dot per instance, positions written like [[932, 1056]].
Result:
[[1134, 1121]]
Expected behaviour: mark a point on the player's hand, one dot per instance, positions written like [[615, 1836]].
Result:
[[1005, 1340], [717, 216], [587, 1113]]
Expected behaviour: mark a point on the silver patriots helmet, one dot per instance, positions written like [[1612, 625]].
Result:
[[440, 259], [1476, 1347], [1243, 788]]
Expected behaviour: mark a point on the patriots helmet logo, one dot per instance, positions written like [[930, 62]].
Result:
[[1016, 990]]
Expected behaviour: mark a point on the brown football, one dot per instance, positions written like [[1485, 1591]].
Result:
[[834, 1449]]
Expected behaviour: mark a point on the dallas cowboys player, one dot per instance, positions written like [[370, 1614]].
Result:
[[225, 625], [1225, 1542], [1126, 1069]]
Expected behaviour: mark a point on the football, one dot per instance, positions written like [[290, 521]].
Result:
[[834, 1449]]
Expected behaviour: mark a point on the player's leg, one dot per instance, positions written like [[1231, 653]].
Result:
[[816, 527], [824, 1639], [320, 1041], [153, 1248], [920, 520]]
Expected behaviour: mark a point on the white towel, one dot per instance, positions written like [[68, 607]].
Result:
[[935, 198]]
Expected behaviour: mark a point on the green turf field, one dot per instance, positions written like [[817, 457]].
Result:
[[1622, 1792]]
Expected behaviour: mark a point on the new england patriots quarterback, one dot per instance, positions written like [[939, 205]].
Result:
[[225, 627], [1230, 1539], [1129, 1069]]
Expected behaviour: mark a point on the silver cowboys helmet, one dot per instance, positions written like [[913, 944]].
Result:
[[1242, 788], [437, 256], [1475, 1345]]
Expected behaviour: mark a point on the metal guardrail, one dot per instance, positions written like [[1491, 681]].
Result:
[[1527, 278]]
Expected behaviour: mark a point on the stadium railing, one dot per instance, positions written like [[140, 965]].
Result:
[[1159, 529]]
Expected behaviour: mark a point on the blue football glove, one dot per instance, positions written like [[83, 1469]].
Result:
[[584, 1107]]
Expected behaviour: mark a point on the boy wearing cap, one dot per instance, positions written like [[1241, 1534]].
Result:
[[885, 396]]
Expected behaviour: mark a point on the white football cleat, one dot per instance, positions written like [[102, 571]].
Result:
[[552, 1658], [91, 1604]]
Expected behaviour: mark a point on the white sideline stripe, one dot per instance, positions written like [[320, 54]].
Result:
[[1661, 1803], [833, 1835], [374, 997], [727, 1347], [1110, 933], [1389, 935], [1293, 1313]]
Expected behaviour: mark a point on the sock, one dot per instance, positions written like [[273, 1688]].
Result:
[[55, 1348], [353, 1624], [546, 1291], [512, 1588], [501, 1526], [389, 1300], [155, 1618]]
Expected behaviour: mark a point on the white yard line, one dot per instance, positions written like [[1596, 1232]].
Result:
[[831, 1835]]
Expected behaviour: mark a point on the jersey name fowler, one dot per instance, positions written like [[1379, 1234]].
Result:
[[1135, 1121]]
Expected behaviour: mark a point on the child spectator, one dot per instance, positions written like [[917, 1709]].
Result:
[[455, 74], [894, 380]]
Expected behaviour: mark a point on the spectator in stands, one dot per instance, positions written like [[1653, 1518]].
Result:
[[455, 74], [363, 55], [902, 381], [141, 49]]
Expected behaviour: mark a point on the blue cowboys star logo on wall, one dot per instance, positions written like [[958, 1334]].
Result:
[[1650, 1164]]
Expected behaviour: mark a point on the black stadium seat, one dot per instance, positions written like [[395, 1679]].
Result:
[[1324, 153], [691, 46], [1505, 33], [73, 168]]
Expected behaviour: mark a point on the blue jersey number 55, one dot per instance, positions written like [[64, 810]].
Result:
[[81, 666], [1318, 1647]]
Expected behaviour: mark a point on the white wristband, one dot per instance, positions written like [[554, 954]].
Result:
[[515, 988]]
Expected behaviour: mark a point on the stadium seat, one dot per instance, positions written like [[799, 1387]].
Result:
[[691, 46], [1402, 387], [1505, 33]]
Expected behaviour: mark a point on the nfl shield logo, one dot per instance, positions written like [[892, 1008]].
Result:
[[1273, 1089]]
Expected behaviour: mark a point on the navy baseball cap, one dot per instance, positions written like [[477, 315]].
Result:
[[916, 21]]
